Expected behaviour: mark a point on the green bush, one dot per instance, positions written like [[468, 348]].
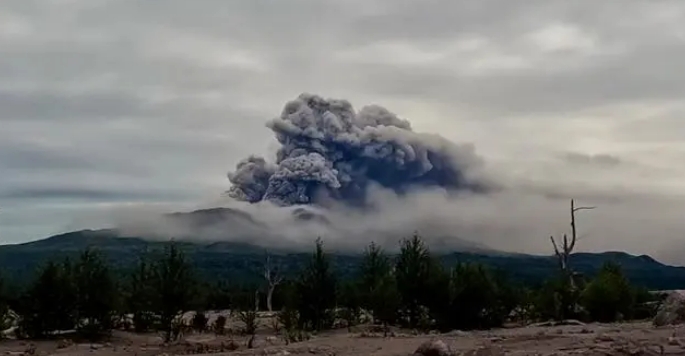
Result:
[[219, 325], [97, 295], [609, 296], [200, 321], [418, 275], [478, 299], [249, 320], [316, 291], [50, 301], [378, 287], [350, 304], [557, 300], [645, 304]]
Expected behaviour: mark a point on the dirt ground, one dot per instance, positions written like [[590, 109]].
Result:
[[593, 339]]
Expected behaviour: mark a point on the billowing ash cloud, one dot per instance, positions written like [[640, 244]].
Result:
[[329, 152]]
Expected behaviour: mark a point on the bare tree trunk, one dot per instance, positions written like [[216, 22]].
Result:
[[567, 247], [273, 279], [256, 300], [269, 296]]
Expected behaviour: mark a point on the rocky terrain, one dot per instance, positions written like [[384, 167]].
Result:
[[593, 339]]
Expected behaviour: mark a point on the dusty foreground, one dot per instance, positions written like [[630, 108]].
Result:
[[613, 339]]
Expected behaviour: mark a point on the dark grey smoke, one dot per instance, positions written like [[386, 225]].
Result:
[[329, 152]]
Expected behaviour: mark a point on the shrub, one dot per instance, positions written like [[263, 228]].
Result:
[[609, 297], [417, 273], [477, 299], [50, 302], [350, 301], [645, 304], [249, 320], [290, 325], [143, 321], [219, 325], [557, 300], [316, 291], [200, 322]]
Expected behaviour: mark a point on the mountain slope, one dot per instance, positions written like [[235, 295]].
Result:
[[278, 230], [241, 262]]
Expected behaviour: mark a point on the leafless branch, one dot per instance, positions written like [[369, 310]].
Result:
[[554, 243], [568, 247], [273, 277]]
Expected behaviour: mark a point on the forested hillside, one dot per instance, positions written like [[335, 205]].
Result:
[[241, 263]]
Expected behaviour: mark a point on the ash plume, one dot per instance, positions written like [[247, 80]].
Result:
[[330, 153]]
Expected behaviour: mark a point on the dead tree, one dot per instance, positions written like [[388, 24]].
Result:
[[256, 300], [568, 246], [273, 278]]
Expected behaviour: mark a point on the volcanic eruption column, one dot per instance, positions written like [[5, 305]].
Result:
[[330, 152]]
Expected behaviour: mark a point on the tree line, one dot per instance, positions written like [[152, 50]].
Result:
[[411, 290]]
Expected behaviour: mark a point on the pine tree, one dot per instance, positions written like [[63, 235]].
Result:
[[476, 298], [140, 294], [377, 286], [173, 284], [5, 321], [609, 296], [49, 304], [416, 272], [350, 302], [96, 294], [316, 287], [387, 301]]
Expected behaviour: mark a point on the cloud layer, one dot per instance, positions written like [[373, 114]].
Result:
[[107, 104]]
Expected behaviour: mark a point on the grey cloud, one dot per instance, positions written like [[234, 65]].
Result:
[[46, 106], [153, 102], [648, 73], [85, 194], [31, 158], [640, 61], [601, 159]]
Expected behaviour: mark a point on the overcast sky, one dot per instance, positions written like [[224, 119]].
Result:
[[110, 103]]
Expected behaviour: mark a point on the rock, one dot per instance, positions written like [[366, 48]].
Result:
[[485, 351], [604, 338], [230, 346], [64, 343], [672, 310], [565, 322], [321, 350], [458, 333], [434, 348]]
